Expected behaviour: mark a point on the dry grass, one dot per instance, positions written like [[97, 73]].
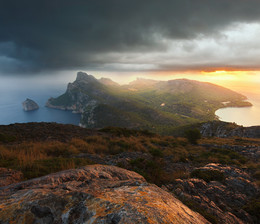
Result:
[[25, 154], [40, 158]]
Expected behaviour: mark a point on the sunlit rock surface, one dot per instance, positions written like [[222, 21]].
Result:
[[92, 194]]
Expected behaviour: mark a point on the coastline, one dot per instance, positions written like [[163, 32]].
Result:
[[246, 116]]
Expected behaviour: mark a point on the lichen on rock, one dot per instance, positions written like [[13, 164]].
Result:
[[92, 194]]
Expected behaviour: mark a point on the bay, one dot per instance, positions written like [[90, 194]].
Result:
[[246, 116]]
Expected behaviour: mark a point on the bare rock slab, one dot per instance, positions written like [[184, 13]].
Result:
[[92, 194]]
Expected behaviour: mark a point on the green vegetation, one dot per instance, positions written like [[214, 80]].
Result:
[[5, 138], [197, 208], [63, 100], [36, 155], [157, 106], [253, 208], [156, 152], [150, 169], [208, 175], [42, 148], [193, 135]]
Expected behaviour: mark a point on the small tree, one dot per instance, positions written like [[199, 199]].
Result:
[[193, 135]]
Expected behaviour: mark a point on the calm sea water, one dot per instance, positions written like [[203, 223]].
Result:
[[12, 96], [246, 116]]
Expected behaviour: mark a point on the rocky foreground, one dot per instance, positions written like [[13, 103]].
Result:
[[231, 188], [92, 194], [219, 178]]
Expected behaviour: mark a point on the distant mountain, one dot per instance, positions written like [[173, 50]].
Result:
[[108, 82], [144, 104]]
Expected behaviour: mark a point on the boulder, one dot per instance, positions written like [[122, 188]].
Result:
[[92, 194]]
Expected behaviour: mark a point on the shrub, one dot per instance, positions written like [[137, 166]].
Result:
[[156, 152], [7, 138], [208, 175], [253, 208], [117, 131], [197, 208], [193, 135]]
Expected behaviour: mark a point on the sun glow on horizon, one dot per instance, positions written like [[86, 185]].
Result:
[[247, 82], [223, 75], [238, 80], [228, 77]]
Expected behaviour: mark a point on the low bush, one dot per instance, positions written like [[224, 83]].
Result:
[[193, 135], [197, 208], [156, 152], [208, 175], [253, 208], [7, 138]]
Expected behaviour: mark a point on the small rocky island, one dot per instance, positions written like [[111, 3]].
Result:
[[29, 105]]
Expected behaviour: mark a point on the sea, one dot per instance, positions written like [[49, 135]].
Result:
[[246, 116], [13, 93]]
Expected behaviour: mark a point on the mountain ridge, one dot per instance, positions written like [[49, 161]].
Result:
[[144, 104]]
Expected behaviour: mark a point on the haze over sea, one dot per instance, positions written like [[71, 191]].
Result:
[[13, 93]]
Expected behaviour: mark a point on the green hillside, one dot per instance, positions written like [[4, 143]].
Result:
[[159, 106]]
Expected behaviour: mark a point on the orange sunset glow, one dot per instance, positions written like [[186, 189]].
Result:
[[130, 111], [247, 80]]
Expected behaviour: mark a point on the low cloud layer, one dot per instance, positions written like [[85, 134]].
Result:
[[128, 35]]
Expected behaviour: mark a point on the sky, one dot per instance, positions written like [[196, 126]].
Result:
[[210, 40]]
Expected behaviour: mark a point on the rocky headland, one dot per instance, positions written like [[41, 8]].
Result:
[[159, 106]]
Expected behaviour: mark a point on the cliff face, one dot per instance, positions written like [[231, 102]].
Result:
[[158, 106], [224, 129], [92, 194], [79, 95], [29, 105]]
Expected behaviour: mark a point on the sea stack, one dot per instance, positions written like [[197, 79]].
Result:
[[29, 105]]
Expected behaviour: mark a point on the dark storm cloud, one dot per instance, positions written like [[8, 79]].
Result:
[[64, 34]]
